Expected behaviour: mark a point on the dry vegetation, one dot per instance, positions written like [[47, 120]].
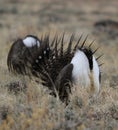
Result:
[[26, 105]]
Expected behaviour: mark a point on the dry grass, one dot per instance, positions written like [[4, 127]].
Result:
[[31, 107], [36, 109]]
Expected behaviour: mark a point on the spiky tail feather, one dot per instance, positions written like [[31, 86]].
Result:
[[56, 60]]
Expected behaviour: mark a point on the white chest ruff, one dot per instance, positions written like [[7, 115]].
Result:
[[81, 71]]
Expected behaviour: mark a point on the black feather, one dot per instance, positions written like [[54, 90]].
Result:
[[95, 50], [76, 46], [99, 57], [101, 64], [91, 43], [62, 44], [69, 48], [84, 42], [89, 54]]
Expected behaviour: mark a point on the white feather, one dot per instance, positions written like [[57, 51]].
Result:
[[31, 41], [96, 73], [81, 70]]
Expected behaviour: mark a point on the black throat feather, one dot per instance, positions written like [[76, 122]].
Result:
[[89, 55]]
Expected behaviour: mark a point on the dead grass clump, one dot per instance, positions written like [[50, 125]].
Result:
[[7, 102], [16, 87], [36, 109]]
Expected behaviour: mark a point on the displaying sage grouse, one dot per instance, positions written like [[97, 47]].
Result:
[[57, 66]]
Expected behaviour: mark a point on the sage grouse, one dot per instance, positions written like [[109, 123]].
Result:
[[58, 67]]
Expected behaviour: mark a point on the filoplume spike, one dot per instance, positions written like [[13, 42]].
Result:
[[91, 43], [70, 43], [84, 42], [96, 50], [99, 57], [62, 45], [101, 64], [76, 46]]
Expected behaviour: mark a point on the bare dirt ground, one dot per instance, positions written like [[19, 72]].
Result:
[[33, 108]]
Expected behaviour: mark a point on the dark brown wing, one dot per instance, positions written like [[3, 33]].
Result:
[[63, 82], [20, 57], [15, 60]]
